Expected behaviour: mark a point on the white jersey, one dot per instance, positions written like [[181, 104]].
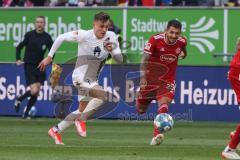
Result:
[[91, 53]]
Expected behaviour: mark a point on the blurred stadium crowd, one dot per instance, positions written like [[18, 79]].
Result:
[[121, 3]]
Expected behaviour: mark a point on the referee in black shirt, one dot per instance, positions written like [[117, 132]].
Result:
[[36, 43]]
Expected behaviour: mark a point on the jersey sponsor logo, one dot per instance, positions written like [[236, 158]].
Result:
[[148, 46], [97, 51], [169, 58]]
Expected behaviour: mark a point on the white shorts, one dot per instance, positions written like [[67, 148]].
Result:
[[83, 83], [83, 90]]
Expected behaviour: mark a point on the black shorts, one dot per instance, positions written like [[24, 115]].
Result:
[[33, 74]]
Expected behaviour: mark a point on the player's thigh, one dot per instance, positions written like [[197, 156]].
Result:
[[167, 96], [82, 105], [143, 99], [92, 90], [40, 76], [142, 105], [84, 89], [35, 88], [33, 75], [29, 74], [97, 91]]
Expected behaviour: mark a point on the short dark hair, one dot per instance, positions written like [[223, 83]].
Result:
[[41, 17], [101, 16], [174, 23]]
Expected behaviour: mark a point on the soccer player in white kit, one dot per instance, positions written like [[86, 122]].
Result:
[[94, 46]]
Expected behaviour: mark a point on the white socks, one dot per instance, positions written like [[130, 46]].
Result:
[[68, 121], [91, 108]]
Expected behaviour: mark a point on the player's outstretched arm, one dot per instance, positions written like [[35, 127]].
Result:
[[69, 36]]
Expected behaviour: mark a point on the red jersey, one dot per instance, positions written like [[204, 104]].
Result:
[[235, 62], [163, 58]]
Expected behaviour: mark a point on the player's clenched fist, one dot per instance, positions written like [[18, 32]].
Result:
[[108, 46]]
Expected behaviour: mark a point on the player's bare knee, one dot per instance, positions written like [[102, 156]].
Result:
[[34, 92], [100, 94], [103, 96]]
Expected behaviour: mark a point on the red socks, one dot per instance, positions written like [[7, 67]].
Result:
[[161, 109], [235, 138], [155, 131]]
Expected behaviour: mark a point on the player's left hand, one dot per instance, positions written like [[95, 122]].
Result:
[[108, 46], [46, 61]]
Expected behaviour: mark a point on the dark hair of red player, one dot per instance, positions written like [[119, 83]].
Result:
[[174, 23]]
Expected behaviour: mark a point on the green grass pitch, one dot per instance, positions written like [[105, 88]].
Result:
[[111, 140]]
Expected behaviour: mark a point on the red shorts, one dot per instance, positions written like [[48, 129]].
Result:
[[234, 78], [156, 92]]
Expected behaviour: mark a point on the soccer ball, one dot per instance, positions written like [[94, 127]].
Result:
[[164, 122]]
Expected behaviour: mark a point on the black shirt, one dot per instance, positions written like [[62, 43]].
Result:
[[36, 45]]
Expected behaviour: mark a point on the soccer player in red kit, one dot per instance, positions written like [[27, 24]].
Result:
[[234, 78], [158, 71]]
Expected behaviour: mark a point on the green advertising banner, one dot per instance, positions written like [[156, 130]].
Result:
[[233, 29], [15, 23], [203, 29], [210, 32]]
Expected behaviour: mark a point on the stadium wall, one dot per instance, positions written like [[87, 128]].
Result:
[[210, 31], [200, 94]]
